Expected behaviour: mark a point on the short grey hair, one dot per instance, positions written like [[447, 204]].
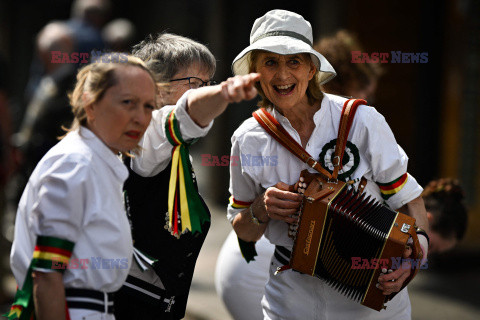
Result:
[[168, 53]]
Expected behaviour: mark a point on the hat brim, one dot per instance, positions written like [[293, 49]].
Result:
[[284, 45]]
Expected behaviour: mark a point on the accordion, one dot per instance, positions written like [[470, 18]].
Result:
[[338, 225]]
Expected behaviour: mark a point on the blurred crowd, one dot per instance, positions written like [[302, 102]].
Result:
[[44, 108]]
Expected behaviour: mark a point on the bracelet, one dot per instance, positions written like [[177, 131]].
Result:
[[423, 233], [255, 219]]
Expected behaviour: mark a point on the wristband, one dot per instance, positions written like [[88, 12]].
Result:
[[423, 233], [255, 219]]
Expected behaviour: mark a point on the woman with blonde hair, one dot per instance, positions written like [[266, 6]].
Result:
[[72, 247]]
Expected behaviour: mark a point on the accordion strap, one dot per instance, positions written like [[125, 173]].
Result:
[[278, 132], [346, 119]]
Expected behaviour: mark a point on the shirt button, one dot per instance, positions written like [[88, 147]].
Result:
[[188, 255]]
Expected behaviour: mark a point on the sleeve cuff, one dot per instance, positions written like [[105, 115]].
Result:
[[188, 128], [409, 191], [424, 246], [51, 253]]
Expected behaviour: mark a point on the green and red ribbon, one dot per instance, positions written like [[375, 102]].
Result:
[[48, 252], [185, 208], [391, 188], [246, 248]]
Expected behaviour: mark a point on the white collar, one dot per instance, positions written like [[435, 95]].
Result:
[[316, 117], [105, 153]]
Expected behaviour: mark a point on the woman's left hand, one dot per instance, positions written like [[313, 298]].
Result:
[[393, 282]]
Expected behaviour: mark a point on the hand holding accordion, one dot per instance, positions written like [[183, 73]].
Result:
[[339, 229]]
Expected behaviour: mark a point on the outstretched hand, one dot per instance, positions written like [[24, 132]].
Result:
[[240, 88], [206, 103]]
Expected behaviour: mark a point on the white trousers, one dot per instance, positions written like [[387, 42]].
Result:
[[240, 284], [291, 295]]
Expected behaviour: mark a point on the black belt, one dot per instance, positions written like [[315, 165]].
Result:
[[89, 299], [282, 254]]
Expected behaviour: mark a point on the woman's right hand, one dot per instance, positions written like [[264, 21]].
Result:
[[281, 202], [278, 202], [206, 103]]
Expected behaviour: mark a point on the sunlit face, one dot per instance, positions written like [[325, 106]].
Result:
[[284, 78], [439, 244], [121, 117], [178, 88]]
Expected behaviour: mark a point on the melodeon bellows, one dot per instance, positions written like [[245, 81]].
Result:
[[337, 224]]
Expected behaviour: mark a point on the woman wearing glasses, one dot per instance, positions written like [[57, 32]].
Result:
[[167, 246]]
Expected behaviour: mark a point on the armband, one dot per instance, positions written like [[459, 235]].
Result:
[[424, 233]]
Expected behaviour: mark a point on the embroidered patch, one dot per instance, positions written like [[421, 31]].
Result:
[[350, 161]]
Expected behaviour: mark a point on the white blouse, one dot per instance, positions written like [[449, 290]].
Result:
[[75, 193], [371, 152], [156, 151]]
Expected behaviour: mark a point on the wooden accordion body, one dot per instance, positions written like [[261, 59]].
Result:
[[337, 224]]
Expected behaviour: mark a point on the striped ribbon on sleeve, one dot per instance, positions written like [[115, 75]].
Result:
[[246, 248], [185, 208], [391, 188], [48, 253]]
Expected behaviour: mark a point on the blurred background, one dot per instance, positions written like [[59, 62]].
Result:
[[433, 108]]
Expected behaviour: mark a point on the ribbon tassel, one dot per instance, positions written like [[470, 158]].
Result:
[[185, 208]]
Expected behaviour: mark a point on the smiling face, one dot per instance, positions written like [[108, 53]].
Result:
[[284, 78], [124, 112]]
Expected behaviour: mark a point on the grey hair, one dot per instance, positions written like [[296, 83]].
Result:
[[168, 53]]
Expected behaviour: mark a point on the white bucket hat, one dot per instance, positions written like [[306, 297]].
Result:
[[283, 32]]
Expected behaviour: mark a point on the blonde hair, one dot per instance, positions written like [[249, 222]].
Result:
[[95, 79], [314, 92]]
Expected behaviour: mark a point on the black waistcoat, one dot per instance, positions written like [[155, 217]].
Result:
[[147, 209]]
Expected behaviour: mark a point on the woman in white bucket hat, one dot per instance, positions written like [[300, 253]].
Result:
[[291, 73]]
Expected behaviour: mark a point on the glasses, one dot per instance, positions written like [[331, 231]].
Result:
[[195, 82]]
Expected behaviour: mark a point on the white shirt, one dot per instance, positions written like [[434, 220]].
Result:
[[263, 161], [156, 150], [75, 193]]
